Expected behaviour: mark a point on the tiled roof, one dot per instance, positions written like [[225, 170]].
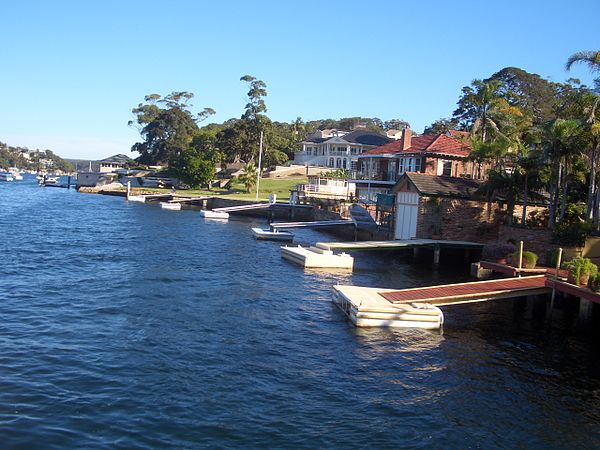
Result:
[[443, 186], [437, 143]]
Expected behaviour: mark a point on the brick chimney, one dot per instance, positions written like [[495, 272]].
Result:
[[406, 138]]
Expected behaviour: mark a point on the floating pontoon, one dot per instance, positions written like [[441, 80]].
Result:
[[261, 233], [317, 258], [367, 308], [171, 206]]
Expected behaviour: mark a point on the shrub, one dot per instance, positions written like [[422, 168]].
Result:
[[529, 259], [594, 282], [581, 268], [571, 233]]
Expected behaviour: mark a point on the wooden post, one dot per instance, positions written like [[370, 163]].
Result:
[[520, 257], [436, 255], [69, 182], [558, 261], [128, 189]]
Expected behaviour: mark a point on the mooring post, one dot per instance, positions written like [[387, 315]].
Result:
[[558, 261], [69, 182], [128, 189], [520, 257], [436, 255]]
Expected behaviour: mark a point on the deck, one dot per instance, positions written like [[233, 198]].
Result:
[[398, 244], [477, 291]]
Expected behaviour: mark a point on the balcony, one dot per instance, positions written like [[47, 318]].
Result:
[[387, 177]]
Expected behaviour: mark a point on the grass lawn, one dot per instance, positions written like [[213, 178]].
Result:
[[279, 187]]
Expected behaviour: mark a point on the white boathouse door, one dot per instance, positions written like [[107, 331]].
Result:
[[407, 205]]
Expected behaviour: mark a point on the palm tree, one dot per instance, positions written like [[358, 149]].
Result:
[[476, 106], [590, 58], [560, 141], [248, 176]]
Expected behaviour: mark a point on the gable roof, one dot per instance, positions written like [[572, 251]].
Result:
[[439, 185], [117, 159], [434, 144]]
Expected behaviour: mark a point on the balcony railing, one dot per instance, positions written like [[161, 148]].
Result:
[[378, 176]]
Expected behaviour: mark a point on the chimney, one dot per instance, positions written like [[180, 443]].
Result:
[[406, 137]]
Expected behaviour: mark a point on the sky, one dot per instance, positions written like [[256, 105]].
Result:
[[71, 71]]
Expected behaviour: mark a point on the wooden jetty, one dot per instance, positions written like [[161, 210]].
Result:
[[380, 303], [229, 209], [327, 248], [475, 291], [190, 200], [316, 224]]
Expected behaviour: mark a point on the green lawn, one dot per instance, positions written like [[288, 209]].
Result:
[[279, 187]]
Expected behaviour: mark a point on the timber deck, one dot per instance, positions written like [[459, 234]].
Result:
[[478, 291]]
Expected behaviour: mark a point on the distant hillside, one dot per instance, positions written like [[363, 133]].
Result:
[[24, 159], [83, 165]]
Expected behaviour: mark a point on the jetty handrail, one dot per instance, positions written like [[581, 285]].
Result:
[[243, 207], [313, 224]]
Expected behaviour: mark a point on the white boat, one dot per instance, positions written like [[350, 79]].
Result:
[[172, 206], [50, 180], [261, 233], [5, 176], [15, 174], [208, 214]]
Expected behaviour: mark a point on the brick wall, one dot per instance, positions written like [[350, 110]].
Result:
[[459, 219], [536, 240]]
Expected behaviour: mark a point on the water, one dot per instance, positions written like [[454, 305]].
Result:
[[127, 326]]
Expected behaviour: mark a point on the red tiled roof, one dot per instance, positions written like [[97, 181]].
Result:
[[439, 143]]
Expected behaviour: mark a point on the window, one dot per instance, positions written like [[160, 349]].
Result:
[[447, 170], [338, 163], [344, 164], [353, 165], [401, 166], [331, 162]]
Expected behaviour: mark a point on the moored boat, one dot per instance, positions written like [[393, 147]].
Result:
[[6, 176]]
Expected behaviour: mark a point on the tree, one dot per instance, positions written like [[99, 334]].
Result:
[[442, 125], [476, 105], [532, 94], [248, 176], [395, 124], [166, 125], [196, 164], [589, 58]]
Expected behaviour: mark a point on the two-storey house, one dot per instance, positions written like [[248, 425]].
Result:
[[337, 149], [379, 169]]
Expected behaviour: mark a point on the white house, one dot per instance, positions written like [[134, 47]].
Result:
[[337, 149]]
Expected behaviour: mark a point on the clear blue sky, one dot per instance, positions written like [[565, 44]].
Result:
[[71, 71]]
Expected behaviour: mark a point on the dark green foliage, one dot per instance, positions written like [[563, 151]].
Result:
[[594, 282], [529, 259], [196, 164], [571, 233], [581, 267], [530, 92], [166, 126]]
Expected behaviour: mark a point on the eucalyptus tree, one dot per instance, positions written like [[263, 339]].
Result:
[[254, 119], [166, 125]]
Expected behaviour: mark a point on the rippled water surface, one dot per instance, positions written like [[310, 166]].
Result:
[[127, 326]]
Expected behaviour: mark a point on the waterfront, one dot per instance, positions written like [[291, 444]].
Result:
[[125, 325]]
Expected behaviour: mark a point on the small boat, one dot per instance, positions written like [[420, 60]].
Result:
[[261, 233], [137, 198], [50, 180], [175, 206], [6, 176], [208, 214], [15, 174]]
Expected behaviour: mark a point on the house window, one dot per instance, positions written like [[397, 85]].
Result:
[[401, 166], [338, 163], [447, 170], [344, 164], [331, 162], [353, 165]]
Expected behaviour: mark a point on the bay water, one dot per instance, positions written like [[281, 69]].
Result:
[[123, 325]]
